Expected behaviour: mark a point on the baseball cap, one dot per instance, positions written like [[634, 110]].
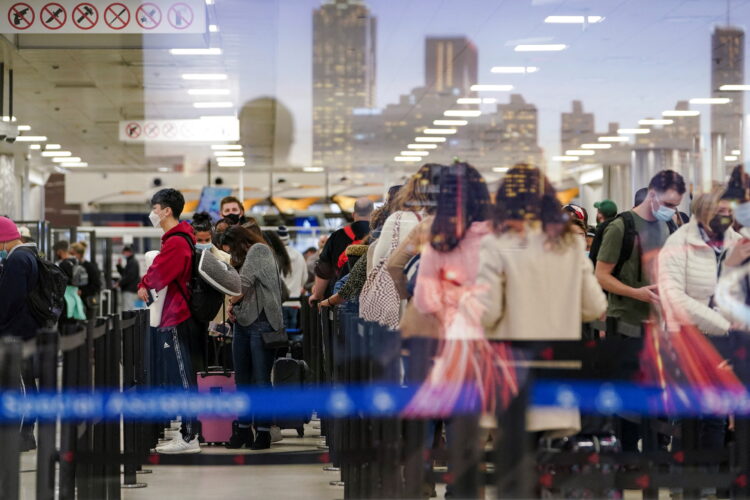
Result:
[[608, 208]]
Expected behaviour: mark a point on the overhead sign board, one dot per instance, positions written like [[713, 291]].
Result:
[[104, 16], [197, 131]]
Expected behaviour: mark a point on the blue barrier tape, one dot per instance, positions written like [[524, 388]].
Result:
[[370, 401]]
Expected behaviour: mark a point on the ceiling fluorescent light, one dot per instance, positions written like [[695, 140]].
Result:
[[204, 76], [231, 165], [49, 147], [633, 131], [52, 154], [549, 47], [414, 153], [463, 113], [429, 139], [735, 88], [649, 121], [68, 159], [500, 170], [710, 100], [736, 152], [407, 158], [422, 146], [596, 146], [230, 161], [491, 88], [439, 131], [573, 19], [731, 158], [35, 146], [450, 123], [225, 147], [213, 28], [24, 128], [31, 138], [579, 152], [514, 70], [208, 91], [565, 158], [592, 176], [313, 169], [680, 112], [228, 153], [79, 164], [213, 51], [469, 100], [217, 104], [613, 138]]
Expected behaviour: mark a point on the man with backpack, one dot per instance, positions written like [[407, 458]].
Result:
[[333, 256], [625, 269], [19, 277], [173, 269]]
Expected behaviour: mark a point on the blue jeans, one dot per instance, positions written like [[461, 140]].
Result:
[[252, 361], [290, 317]]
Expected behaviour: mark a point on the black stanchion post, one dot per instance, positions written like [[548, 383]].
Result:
[[47, 344], [112, 427], [129, 384], [513, 460], [73, 346], [97, 443], [10, 380]]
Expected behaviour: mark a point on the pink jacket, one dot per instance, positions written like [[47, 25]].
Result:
[[444, 277]]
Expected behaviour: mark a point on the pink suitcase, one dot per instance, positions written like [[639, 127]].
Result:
[[216, 430]]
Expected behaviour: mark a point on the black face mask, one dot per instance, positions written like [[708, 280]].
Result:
[[233, 218], [719, 225]]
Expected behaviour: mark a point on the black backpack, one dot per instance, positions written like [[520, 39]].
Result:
[[203, 300], [46, 300]]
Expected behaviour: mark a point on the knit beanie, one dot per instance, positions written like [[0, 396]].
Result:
[[8, 230]]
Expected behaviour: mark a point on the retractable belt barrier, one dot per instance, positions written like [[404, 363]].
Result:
[[363, 376]]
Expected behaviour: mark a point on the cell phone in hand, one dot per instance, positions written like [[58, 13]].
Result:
[[151, 298]]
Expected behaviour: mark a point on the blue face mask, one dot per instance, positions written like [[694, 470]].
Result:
[[742, 214], [663, 213], [3, 253], [203, 246]]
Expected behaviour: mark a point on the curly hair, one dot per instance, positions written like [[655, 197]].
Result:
[[419, 192]]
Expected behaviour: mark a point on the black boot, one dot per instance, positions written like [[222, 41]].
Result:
[[241, 436], [262, 441]]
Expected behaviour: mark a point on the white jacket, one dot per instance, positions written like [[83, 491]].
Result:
[[382, 250], [688, 274], [296, 279]]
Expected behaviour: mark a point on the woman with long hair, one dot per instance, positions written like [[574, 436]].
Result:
[[257, 310]]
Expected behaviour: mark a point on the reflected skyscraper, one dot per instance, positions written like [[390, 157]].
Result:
[[728, 67], [344, 39], [576, 128], [450, 63]]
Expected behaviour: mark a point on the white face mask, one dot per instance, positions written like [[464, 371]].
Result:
[[154, 218], [742, 214]]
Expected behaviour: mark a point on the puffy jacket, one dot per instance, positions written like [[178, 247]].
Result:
[[17, 280], [688, 274], [173, 269]]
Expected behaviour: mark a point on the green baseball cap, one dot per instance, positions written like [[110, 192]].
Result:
[[608, 208]]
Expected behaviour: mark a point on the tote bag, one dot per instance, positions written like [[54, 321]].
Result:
[[379, 300]]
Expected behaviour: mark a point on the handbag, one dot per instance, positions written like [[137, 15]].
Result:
[[275, 339], [379, 300]]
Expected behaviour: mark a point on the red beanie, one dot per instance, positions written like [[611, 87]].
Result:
[[8, 230]]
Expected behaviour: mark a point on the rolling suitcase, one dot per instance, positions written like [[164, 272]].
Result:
[[217, 380], [288, 371]]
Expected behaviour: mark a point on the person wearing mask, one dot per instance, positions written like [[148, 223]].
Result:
[[19, 277], [173, 269], [625, 268], [232, 210], [89, 292], [257, 310], [130, 275], [532, 246], [330, 262], [294, 279], [605, 210], [74, 307]]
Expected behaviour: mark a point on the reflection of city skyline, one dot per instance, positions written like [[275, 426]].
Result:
[[505, 134]]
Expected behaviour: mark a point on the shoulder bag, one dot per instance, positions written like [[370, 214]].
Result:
[[379, 300]]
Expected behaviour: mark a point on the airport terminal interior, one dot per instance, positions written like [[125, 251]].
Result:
[[374, 249]]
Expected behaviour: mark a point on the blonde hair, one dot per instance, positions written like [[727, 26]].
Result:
[[704, 205], [79, 248], [416, 195]]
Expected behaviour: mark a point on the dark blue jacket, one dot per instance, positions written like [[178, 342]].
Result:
[[19, 277]]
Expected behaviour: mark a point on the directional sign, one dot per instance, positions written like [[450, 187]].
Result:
[[180, 16], [104, 16], [117, 16], [195, 131], [21, 16], [53, 16], [85, 16]]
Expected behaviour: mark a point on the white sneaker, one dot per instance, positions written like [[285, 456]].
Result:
[[276, 435], [180, 447], [175, 424], [169, 436]]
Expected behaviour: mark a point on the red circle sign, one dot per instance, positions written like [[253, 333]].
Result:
[[148, 16], [53, 16], [117, 16], [151, 130], [85, 16], [133, 130], [21, 16], [180, 16]]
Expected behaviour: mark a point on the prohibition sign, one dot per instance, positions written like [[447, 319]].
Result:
[[53, 16], [151, 130], [148, 16], [169, 130], [133, 130], [117, 16], [85, 16], [180, 16], [21, 16]]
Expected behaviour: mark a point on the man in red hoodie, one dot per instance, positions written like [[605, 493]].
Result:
[[173, 269]]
